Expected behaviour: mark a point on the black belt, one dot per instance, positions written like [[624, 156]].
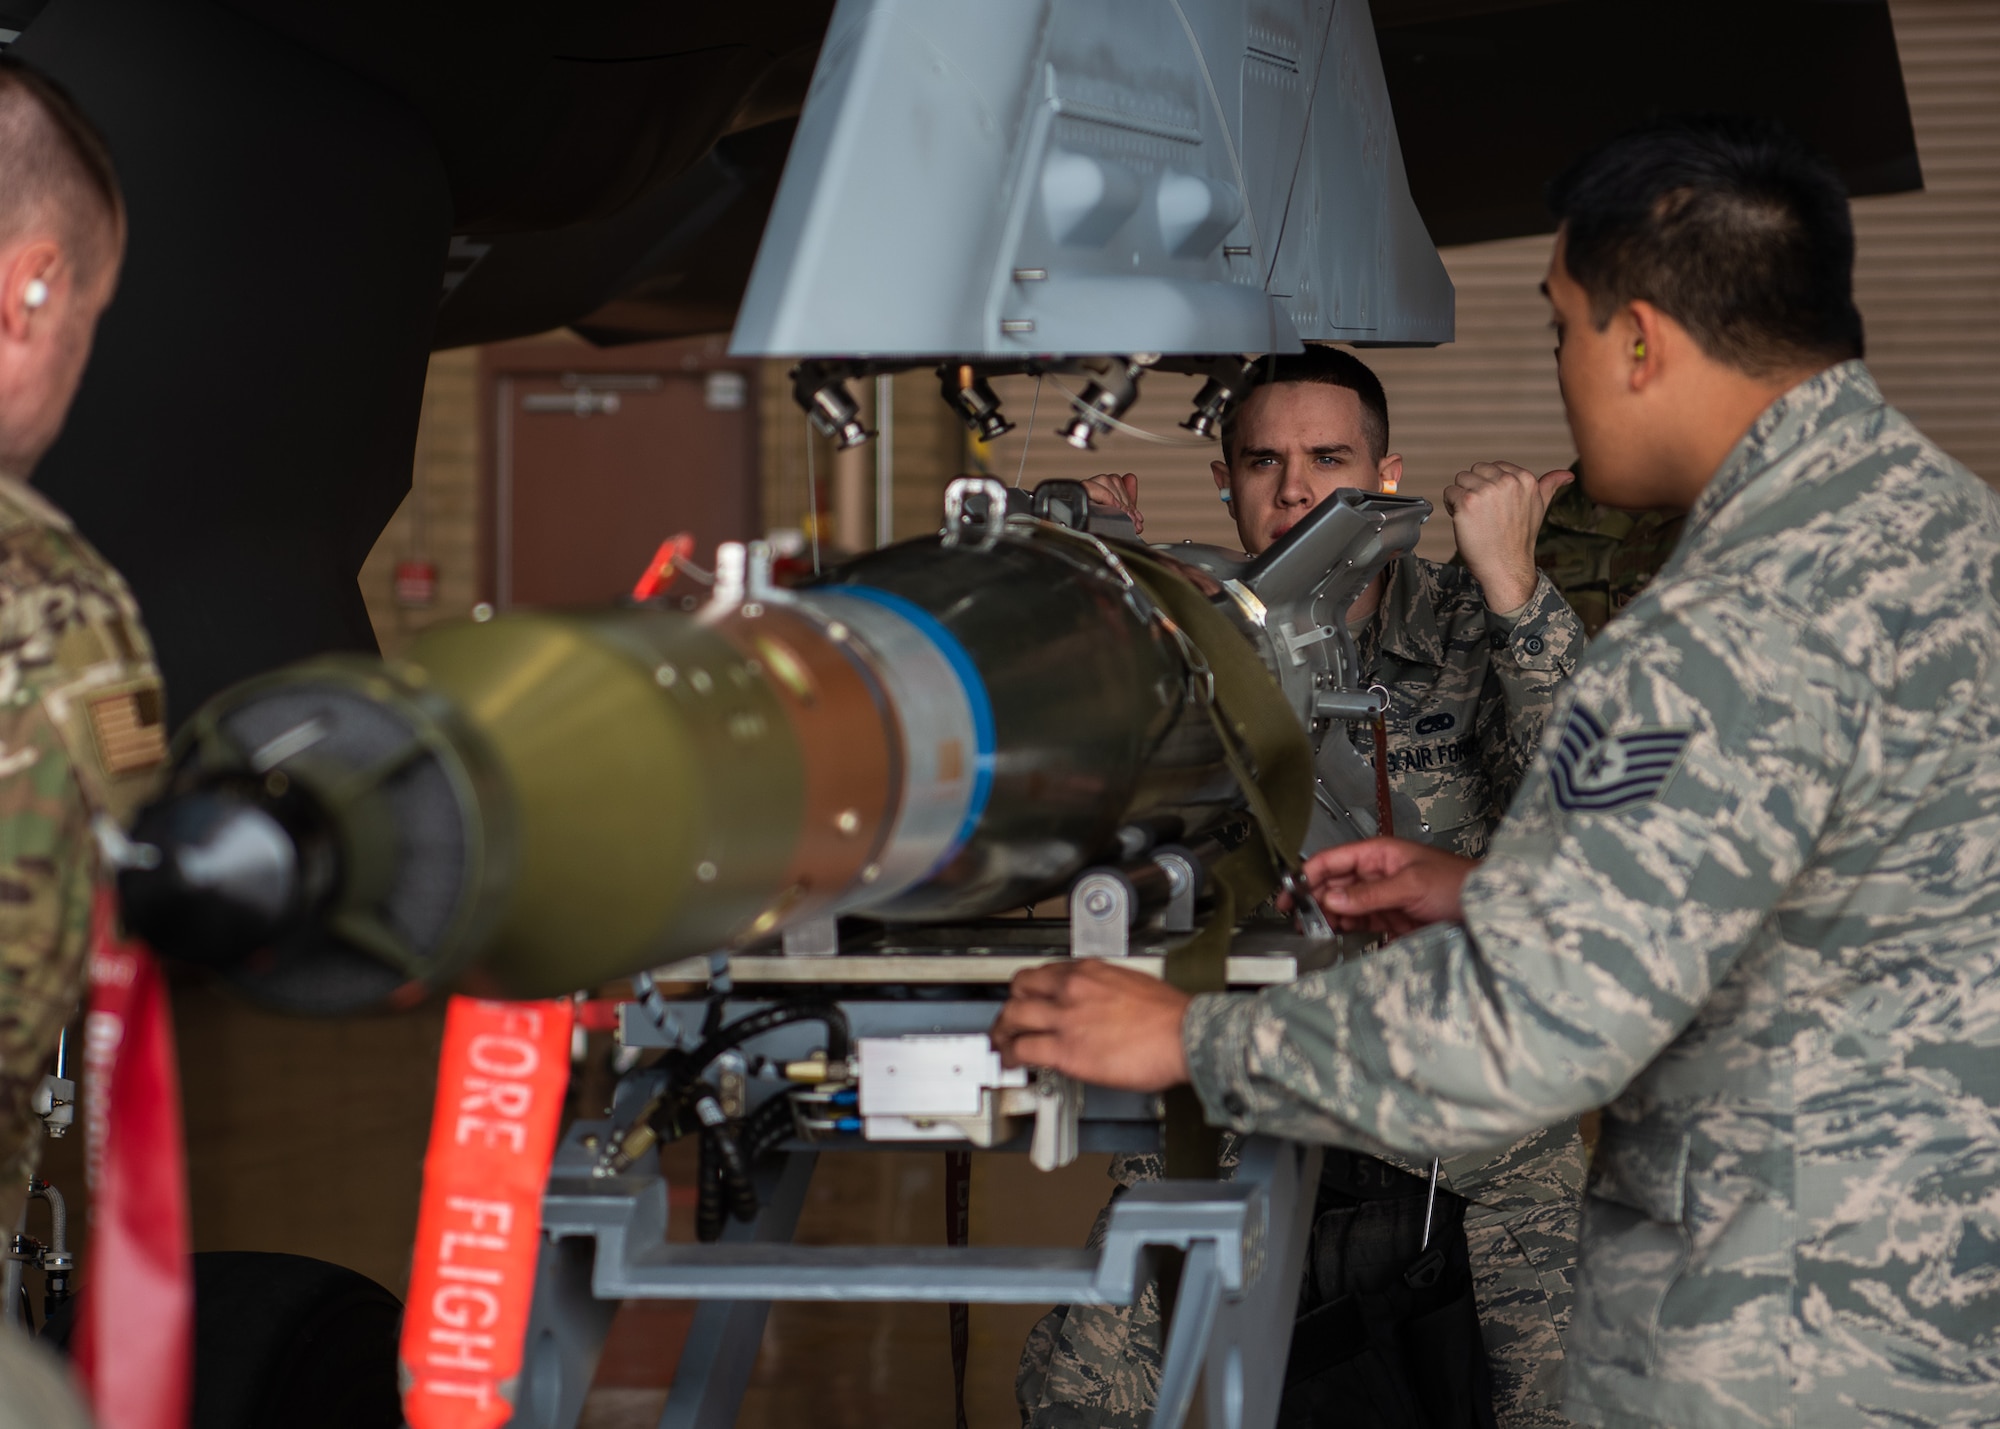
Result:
[[1367, 1178]]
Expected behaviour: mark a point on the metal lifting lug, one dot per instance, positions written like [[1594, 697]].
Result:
[[732, 571], [812, 938], [975, 507], [1184, 874], [744, 585], [1100, 915], [758, 585]]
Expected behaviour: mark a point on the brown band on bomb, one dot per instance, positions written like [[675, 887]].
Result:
[[846, 737]]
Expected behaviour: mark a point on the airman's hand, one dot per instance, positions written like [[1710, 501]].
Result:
[[1118, 493], [1496, 512], [1388, 886], [1091, 1019]]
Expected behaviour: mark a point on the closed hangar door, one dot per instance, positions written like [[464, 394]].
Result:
[[597, 456]]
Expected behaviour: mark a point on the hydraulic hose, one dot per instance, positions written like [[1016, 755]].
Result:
[[782, 1015], [708, 1208], [770, 1124], [730, 1149], [723, 1169], [58, 1214]]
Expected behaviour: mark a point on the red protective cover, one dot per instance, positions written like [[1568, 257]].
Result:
[[501, 1080], [660, 570], [134, 1342]]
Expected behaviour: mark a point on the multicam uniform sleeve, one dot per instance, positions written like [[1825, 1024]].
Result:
[[1533, 650], [45, 894], [1695, 758]]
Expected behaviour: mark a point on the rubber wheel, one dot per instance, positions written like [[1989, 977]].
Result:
[[287, 1342], [284, 1342]]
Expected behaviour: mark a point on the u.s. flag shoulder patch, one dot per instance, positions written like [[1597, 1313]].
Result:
[[131, 730], [1593, 771]]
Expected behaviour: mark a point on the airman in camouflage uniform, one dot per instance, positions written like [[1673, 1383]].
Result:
[[1599, 557], [38, 1388], [1751, 889], [1469, 693], [81, 737], [81, 731]]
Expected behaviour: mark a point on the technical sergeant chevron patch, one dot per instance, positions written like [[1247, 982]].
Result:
[[1592, 771]]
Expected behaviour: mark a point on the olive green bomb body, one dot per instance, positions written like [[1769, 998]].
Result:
[[553, 799], [543, 801], [656, 787]]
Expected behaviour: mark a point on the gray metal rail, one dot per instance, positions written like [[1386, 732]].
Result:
[[604, 1241]]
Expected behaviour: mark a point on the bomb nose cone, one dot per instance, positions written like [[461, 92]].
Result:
[[222, 880]]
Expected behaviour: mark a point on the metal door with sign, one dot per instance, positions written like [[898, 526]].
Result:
[[596, 456]]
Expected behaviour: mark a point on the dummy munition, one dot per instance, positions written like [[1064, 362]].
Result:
[[941, 730]]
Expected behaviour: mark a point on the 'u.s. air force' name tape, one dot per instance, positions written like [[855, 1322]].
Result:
[[1594, 771]]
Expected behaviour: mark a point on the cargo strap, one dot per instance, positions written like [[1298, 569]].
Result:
[[1267, 752], [1263, 744], [1385, 808], [1190, 1145], [1269, 755]]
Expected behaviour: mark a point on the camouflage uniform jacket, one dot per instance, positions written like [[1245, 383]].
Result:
[[1751, 890], [1469, 692], [81, 734], [1601, 558]]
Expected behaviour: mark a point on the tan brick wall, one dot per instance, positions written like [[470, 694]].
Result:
[[929, 449], [439, 520], [783, 440]]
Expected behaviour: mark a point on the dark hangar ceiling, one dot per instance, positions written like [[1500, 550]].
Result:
[[322, 192]]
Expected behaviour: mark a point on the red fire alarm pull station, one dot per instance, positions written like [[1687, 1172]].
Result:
[[416, 583]]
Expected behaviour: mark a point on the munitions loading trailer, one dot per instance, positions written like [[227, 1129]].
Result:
[[604, 1239], [858, 1018]]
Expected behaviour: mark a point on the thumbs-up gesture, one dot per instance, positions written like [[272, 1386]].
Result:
[[1496, 512]]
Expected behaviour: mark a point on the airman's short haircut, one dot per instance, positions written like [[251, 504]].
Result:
[[1730, 226], [1329, 367], [55, 170]]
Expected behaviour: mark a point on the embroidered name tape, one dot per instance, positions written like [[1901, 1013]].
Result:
[[1593, 771]]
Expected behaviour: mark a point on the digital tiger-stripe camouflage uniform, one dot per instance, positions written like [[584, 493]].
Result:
[[1751, 890], [81, 737], [1469, 693]]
